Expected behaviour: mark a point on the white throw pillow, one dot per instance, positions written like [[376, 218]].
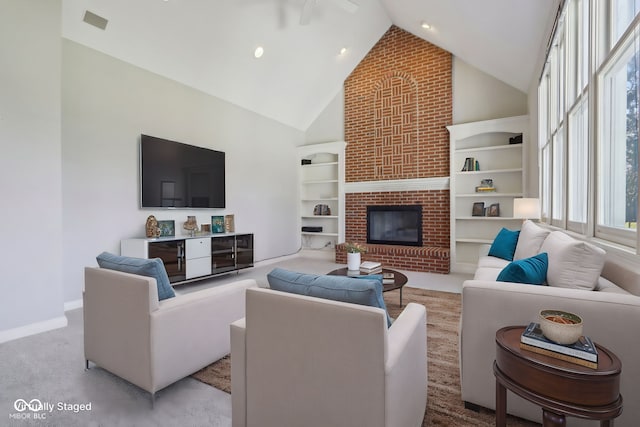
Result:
[[572, 263], [530, 240]]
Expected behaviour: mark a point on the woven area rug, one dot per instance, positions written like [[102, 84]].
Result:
[[444, 404]]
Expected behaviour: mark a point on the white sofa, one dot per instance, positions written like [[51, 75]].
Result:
[[152, 343], [305, 361], [611, 313]]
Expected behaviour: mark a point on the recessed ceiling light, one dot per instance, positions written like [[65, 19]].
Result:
[[425, 26], [258, 52], [343, 51]]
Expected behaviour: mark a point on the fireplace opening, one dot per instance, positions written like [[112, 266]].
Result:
[[394, 225]]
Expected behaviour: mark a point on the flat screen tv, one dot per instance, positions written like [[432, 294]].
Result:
[[177, 175]]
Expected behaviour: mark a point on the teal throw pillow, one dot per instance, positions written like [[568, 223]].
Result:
[[532, 271], [336, 288], [141, 266], [504, 245]]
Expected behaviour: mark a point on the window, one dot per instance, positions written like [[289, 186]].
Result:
[[599, 52], [618, 145], [578, 167], [545, 202], [622, 13], [557, 179]]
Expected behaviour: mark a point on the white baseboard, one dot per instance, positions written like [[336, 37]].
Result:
[[32, 329], [72, 305], [274, 260]]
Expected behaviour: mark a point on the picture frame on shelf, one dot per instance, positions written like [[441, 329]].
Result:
[[494, 210], [167, 228], [217, 224], [478, 209]]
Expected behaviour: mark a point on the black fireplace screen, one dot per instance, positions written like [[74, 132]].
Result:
[[394, 225]]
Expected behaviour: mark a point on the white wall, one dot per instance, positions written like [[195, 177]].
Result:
[[476, 96], [31, 206], [107, 104], [479, 96], [329, 125]]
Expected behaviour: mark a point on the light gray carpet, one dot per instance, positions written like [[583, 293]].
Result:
[[50, 367]]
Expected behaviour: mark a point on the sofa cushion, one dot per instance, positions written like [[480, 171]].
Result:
[[531, 270], [530, 240], [504, 245], [492, 262], [141, 266], [337, 288], [572, 263]]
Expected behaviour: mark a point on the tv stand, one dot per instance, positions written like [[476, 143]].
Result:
[[188, 258]]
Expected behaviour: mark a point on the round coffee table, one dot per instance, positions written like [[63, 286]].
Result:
[[399, 279], [560, 388]]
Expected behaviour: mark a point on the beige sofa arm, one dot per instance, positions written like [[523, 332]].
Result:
[[488, 306], [406, 368], [238, 373], [116, 309], [190, 331]]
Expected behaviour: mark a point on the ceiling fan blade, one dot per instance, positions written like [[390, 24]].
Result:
[[347, 5], [307, 10]]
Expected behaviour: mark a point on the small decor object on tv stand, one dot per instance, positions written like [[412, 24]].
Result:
[[229, 223], [151, 227], [217, 224], [167, 228], [191, 225]]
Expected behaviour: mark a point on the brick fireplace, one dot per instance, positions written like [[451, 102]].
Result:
[[397, 104]]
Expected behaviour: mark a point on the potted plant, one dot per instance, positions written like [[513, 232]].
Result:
[[353, 255]]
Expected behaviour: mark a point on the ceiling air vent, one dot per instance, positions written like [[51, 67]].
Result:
[[95, 20]]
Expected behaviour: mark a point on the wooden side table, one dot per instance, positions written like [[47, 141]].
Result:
[[560, 388]]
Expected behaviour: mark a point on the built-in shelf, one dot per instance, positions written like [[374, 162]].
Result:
[[487, 144], [487, 218], [469, 240], [488, 172], [490, 194], [490, 148], [322, 183]]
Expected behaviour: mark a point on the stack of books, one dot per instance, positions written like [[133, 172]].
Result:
[[388, 278], [486, 185], [470, 165], [370, 267], [583, 352]]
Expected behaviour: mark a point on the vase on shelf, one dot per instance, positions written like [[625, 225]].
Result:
[[353, 261]]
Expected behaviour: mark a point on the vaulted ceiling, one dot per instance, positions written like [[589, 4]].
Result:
[[210, 44]]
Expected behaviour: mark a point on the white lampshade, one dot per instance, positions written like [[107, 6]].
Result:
[[526, 208]]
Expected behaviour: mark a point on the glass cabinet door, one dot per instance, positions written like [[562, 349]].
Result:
[[244, 250], [222, 254], [172, 255]]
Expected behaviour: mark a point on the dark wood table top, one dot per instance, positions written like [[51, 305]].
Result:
[[557, 385], [399, 279]]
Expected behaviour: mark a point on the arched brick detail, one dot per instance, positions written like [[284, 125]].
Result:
[[395, 127]]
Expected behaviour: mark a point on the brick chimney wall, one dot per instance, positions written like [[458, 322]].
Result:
[[398, 102]]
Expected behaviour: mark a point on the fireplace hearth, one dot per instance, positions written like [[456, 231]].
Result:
[[394, 225]]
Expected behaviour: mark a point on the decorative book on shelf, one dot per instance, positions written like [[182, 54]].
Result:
[[470, 165], [583, 352]]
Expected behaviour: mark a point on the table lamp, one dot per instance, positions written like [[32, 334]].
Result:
[[526, 208]]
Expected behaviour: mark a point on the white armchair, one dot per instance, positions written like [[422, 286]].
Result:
[[305, 361], [152, 343]]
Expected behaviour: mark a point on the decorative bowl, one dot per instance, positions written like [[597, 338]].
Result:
[[560, 326]]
